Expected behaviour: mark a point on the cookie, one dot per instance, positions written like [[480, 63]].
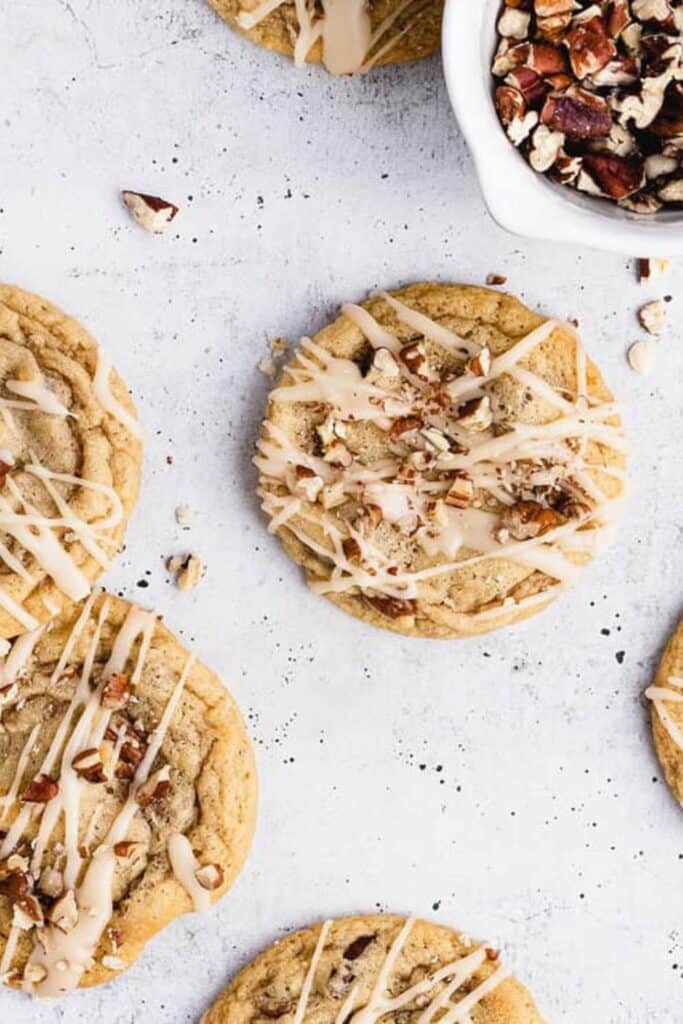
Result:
[[129, 794], [666, 695], [441, 460], [347, 36], [70, 459], [360, 969]]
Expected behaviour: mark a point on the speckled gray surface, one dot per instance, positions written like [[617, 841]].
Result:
[[506, 785]]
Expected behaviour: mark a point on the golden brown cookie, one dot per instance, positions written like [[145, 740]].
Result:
[[347, 36], [441, 460], [129, 794], [666, 695], [70, 459], [360, 969]]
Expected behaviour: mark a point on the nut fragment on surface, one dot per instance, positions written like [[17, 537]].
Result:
[[591, 94], [188, 570], [185, 516], [651, 317], [649, 268], [152, 213]]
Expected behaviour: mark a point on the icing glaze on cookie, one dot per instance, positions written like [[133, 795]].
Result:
[[455, 974], [672, 693], [69, 461], [343, 27], [462, 482], [85, 750], [376, 967]]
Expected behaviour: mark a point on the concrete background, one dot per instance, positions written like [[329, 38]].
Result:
[[505, 785]]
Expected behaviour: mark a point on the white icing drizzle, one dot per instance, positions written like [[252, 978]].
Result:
[[46, 537], [343, 26], [65, 955], [562, 452], [7, 801], [455, 975], [185, 866], [300, 1012], [43, 536], [39, 395], [10, 950], [108, 401], [661, 695]]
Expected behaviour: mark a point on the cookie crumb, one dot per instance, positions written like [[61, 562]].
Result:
[[649, 268], [188, 570], [496, 279], [279, 347], [185, 516], [267, 367], [641, 356], [651, 316]]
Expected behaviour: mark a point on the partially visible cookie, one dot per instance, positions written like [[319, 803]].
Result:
[[70, 459], [347, 36], [356, 970], [441, 460], [128, 794], [666, 695]]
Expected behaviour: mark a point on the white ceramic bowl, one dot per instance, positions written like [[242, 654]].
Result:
[[519, 198]]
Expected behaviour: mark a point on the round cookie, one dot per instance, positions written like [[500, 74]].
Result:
[[441, 460], [129, 794], [70, 460], [356, 970], [666, 695], [347, 36]]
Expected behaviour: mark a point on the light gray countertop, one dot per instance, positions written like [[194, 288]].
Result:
[[505, 785]]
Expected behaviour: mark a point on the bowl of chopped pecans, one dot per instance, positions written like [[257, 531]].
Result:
[[573, 113]]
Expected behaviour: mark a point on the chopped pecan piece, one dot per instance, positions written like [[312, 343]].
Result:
[[40, 790], [116, 692], [476, 415], [15, 885], [528, 519], [461, 492], [351, 549], [88, 765], [358, 947], [392, 607], [210, 876], [577, 113], [155, 789], [617, 176], [403, 425]]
